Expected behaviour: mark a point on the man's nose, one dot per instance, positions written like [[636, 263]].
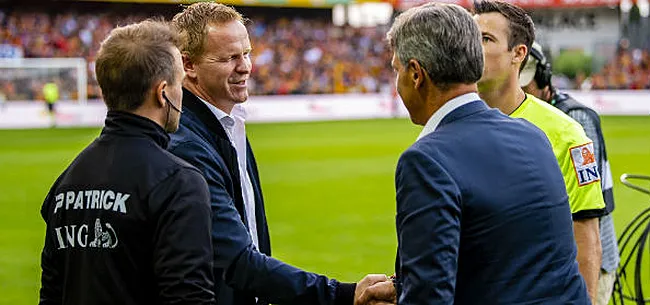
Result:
[[244, 66]]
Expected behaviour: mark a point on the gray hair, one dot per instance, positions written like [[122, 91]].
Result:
[[443, 38]]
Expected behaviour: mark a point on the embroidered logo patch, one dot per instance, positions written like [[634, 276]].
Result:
[[584, 164]]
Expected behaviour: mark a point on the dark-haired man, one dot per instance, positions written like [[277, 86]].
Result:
[[507, 33]]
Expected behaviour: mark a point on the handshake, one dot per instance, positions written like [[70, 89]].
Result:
[[375, 289]]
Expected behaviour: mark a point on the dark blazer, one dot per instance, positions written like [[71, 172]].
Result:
[[243, 273], [483, 216]]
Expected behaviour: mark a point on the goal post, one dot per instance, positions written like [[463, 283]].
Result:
[[24, 77]]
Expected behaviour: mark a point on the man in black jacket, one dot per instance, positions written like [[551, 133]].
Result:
[[127, 222], [212, 136]]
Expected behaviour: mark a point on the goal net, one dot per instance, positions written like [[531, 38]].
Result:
[[22, 79]]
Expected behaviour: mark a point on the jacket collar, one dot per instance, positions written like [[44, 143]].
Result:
[[201, 111], [447, 108], [132, 125], [463, 111]]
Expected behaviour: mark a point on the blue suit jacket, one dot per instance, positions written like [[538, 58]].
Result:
[[483, 216], [243, 273]]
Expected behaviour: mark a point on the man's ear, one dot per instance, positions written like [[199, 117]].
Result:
[[416, 72], [159, 91], [188, 66], [519, 53]]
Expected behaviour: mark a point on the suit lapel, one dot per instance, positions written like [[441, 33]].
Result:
[[218, 137], [260, 215], [203, 113]]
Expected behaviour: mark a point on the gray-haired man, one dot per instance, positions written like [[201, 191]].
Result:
[[482, 211]]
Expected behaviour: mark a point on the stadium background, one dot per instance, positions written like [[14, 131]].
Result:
[[328, 184]]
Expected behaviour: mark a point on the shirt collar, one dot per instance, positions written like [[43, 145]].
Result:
[[225, 119], [446, 109], [239, 112]]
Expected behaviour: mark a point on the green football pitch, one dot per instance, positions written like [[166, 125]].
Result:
[[328, 188]]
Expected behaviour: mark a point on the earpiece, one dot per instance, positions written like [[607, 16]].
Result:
[[170, 103]]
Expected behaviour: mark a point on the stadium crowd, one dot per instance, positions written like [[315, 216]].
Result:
[[629, 69], [290, 56], [301, 56], [39, 34]]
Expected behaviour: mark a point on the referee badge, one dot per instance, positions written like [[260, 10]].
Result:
[[584, 164]]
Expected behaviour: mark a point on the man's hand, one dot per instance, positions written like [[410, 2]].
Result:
[[375, 289]]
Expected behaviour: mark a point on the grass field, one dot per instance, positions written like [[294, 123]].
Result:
[[328, 188]]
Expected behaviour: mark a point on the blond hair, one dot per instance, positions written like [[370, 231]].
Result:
[[193, 21]]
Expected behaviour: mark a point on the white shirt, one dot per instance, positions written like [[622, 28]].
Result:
[[446, 109], [235, 127]]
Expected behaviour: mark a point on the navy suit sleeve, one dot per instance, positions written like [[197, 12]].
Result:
[[182, 254], [229, 234], [428, 230], [247, 269]]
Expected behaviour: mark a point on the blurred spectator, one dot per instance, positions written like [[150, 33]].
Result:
[[3, 99]]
